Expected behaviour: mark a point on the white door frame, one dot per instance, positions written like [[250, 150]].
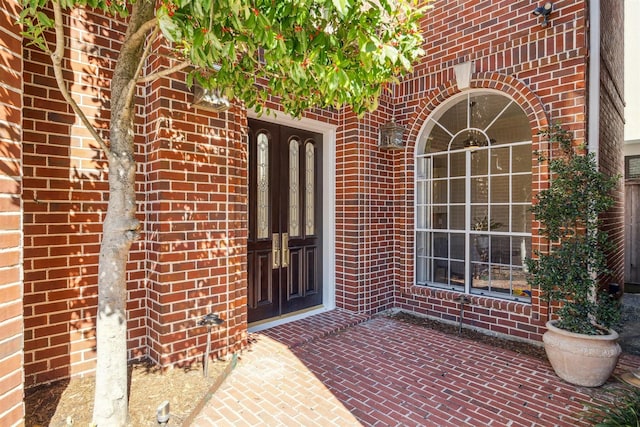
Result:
[[328, 132]]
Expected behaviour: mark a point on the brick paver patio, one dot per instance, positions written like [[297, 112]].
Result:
[[340, 369]]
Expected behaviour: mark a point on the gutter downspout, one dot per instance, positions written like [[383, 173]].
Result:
[[593, 143]]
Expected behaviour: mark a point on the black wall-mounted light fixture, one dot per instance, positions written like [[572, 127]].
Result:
[[544, 11]]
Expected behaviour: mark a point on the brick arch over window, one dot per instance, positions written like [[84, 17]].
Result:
[[506, 84], [538, 119]]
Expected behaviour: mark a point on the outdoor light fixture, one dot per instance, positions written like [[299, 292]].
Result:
[[391, 136], [544, 11], [209, 320], [162, 413], [210, 99]]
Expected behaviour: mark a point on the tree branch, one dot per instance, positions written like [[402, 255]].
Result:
[[165, 72], [142, 31], [56, 59], [131, 87]]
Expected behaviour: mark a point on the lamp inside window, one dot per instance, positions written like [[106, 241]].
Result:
[[474, 140]]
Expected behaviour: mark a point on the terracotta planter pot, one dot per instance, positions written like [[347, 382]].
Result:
[[585, 360]]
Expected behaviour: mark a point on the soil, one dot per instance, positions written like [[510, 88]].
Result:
[[70, 402], [516, 346], [186, 389]]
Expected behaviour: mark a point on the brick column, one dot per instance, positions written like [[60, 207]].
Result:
[[365, 215], [11, 253], [196, 224]]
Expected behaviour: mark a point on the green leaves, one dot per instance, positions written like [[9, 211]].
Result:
[[307, 53], [342, 6], [569, 213]]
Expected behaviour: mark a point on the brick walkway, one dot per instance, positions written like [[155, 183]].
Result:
[[339, 369]]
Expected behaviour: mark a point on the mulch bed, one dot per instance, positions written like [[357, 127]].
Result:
[[70, 402]]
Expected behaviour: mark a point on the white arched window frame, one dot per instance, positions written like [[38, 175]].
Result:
[[473, 175]]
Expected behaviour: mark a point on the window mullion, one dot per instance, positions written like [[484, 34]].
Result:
[[467, 225]]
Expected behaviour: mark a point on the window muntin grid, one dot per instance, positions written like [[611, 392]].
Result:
[[473, 226]]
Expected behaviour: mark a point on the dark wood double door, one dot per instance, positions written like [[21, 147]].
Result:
[[284, 248]]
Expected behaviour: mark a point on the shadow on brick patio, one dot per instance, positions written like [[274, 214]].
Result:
[[342, 369]]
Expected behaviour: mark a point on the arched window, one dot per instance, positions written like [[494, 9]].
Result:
[[473, 193]]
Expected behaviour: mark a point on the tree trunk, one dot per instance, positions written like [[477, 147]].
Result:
[[120, 229]]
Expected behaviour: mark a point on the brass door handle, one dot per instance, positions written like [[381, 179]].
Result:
[[276, 251], [285, 249]]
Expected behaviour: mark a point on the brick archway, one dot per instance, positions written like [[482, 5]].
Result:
[[516, 89], [538, 119]]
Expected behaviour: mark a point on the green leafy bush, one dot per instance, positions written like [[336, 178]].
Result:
[[622, 409], [568, 211]]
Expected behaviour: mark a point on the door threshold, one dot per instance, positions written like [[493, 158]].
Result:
[[261, 325]]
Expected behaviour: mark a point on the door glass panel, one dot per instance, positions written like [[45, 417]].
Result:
[[422, 217], [440, 191], [310, 189], [440, 217], [262, 157], [440, 169], [422, 170], [521, 158], [479, 162], [294, 188], [499, 218], [500, 160], [480, 218], [499, 189], [480, 190]]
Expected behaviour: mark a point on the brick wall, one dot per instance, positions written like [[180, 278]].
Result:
[[196, 222], [364, 218], [11, 322], [65, 195], [192, 188], [611, 130], [542, 68]]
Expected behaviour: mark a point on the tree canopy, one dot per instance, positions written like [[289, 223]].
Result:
[[307, 53]]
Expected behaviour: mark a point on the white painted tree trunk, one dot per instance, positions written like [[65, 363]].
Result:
[[120, 230]]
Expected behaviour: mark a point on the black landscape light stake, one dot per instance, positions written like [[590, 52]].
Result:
[[209, 320], [462, 300]]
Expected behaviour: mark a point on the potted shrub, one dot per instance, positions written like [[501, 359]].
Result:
[[579, 342]]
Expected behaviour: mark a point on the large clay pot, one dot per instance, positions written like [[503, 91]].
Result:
[[585, 360]]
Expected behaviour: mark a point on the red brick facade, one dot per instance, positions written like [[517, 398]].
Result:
[[11, 252], [193, 197]]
